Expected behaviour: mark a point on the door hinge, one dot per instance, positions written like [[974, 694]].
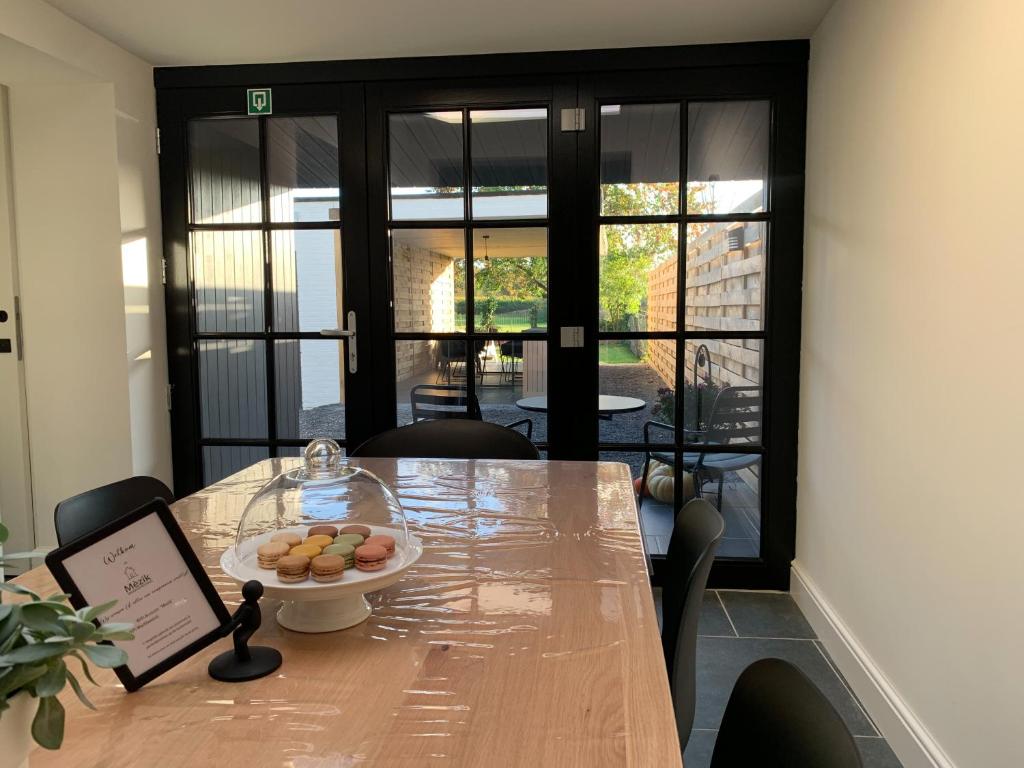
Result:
[[170, 397], [574, 119], [163, 270], [158, 141]]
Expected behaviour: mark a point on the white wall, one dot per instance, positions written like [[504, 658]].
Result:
[[910, 525], [103, 277]]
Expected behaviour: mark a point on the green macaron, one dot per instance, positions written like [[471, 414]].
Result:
[[349, 538], [346, 551]]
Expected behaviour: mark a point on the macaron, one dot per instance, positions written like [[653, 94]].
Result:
[[326, 568], [371, 557], [291, 539], [306, 550], [320, 540], [346, 551], [349, 538], [268, 554], [292, 568], [323, 530], [383, 540], [362, 530]]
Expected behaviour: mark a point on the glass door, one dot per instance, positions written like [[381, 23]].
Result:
[[264, 260], [465, 224]]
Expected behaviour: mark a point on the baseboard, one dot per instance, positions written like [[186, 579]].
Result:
[[906, 734]]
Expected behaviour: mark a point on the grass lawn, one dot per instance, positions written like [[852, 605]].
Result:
[[616, 353]]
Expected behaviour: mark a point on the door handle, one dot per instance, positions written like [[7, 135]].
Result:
[[346, 333]]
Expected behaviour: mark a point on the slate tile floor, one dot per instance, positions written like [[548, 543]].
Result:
[[737, 628]]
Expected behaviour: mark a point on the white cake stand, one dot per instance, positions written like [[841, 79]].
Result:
[[310, 606]]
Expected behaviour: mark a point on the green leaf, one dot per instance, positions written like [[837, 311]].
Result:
[[17, 589], [82, 630], [4, 533], [5, 610], [26, 654], [116, 631], [85, 667], [60, 597], [76, 686], [94, 612], [52, 682], [48, 724], [19, 677], [62, 609], [41, 617], [108, 656]]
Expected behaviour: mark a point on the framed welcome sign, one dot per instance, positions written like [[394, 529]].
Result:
[[145, 563]]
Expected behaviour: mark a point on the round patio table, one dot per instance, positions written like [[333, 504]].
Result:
[[607, 405]]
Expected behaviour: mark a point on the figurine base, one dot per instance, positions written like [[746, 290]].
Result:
[[324, 615], [228, 669]]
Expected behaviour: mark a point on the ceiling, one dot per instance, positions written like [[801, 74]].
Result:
[[183, 32]]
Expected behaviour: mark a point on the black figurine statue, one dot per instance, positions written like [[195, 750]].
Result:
[[245, 663]]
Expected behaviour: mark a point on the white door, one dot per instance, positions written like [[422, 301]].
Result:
[[15, 477]]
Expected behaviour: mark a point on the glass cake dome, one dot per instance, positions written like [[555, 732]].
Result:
[[324, 491]]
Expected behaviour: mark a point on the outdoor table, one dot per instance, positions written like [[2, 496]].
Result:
[[607, 405], [525, 635]]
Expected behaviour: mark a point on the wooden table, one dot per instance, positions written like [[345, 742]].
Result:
[[607, 405], [525, 636]]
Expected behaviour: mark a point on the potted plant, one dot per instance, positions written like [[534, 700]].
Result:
[[37, 639]]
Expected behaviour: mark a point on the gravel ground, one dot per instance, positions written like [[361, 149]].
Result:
[[629, 380]]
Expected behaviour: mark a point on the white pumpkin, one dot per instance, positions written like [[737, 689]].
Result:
[[661, 483]]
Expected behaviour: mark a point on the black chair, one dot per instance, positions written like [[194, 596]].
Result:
[[84, 513], [777, 718], [698, 529], [454, 439], [735, 418], [452, 401]]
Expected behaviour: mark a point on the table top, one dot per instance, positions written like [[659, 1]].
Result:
[[526, 630], [606, 404]]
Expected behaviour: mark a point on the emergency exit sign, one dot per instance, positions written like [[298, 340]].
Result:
[[258, 101]]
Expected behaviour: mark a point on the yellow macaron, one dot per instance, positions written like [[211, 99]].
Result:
[[319, 541], [307, 549]]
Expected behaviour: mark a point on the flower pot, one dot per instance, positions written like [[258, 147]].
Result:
[[16, 731]]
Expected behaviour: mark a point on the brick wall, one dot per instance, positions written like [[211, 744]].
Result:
[[724, 266], [424, 284]]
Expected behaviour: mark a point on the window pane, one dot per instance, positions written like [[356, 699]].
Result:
[[657, 510], [727, 157], [233, 388], [510, 163], [426, 166], [430, 379], [722, 399], [219, 461], [725, 284], [639, 159], [509, 370], [633, 379], [224, 156], [227, 269], [302, 168], [638, 267], [510, 273], [310, 388], [307, 279], [429, 267]]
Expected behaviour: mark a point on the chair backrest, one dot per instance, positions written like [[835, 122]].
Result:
[[691, 550], [456, 439], [777, 717], [84, 513], [735, 417], [443, 401]]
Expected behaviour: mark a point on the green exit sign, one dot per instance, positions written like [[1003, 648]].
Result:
[[258, 101]]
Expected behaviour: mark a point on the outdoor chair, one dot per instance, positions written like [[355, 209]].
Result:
[[735, 418], [452, 401], [82, 514], [456, 439], [451, 360], [510, 353], [691, 550], [777, 718]]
